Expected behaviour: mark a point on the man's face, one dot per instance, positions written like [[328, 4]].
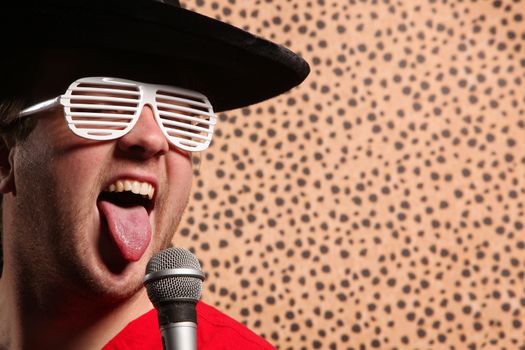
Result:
[[55, 218]]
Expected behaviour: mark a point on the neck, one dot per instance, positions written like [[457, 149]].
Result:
[[71, 323]]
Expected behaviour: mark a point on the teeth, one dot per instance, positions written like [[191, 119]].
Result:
[[135, 187], [143, 188], [150, 192]]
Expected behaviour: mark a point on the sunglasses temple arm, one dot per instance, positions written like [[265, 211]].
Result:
[[42, 106]]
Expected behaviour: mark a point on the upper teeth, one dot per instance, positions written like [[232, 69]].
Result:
[[137, 187]]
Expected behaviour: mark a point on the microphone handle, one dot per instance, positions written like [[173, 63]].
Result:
[[179, 336]]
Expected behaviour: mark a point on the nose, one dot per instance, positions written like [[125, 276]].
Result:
[[145, 140]]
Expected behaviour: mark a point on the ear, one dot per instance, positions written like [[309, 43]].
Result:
[[7, 178]]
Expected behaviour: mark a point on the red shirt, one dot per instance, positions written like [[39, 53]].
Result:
[[214, 331]]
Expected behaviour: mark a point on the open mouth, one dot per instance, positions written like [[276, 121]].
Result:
[[126, 207], [127, 193]]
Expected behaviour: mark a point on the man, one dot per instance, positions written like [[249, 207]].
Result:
[[95, 179]]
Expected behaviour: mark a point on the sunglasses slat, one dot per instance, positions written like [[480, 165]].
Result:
[[184, 109], [103, 98], [180, 92], [102, 115], [186, 117], [104, 90], [98, 122], [192, 143], [185, 126], [185, 133], [97, 131], [107, 84], [183, 100], [96, 106]]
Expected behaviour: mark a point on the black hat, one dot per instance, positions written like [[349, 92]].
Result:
[[153, 41]]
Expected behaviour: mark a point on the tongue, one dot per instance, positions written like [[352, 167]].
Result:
[[129, 227]]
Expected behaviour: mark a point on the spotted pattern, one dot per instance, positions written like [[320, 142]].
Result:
[[380, 204]]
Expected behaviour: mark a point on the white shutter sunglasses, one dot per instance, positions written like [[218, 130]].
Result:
[[101, 108]]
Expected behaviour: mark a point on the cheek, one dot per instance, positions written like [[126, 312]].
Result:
[[179, 180], [180, 171], [61, 170], [80, 166], [79, 172]]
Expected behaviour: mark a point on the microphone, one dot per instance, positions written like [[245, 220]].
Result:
[[174, 284]]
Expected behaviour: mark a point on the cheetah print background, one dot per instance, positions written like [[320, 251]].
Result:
[[379, 205]]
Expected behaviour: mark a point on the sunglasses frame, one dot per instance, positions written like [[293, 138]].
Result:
[[185, 102]]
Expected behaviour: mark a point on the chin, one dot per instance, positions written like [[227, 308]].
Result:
[[105, 272], [102, 272], [105, 283]]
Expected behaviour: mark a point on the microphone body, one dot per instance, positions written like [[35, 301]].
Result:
[[174, 284], [182, 335]]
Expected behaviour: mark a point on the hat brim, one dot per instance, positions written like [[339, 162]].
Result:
[[154, 42]]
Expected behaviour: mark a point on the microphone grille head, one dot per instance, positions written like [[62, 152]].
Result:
[[173, 284]]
